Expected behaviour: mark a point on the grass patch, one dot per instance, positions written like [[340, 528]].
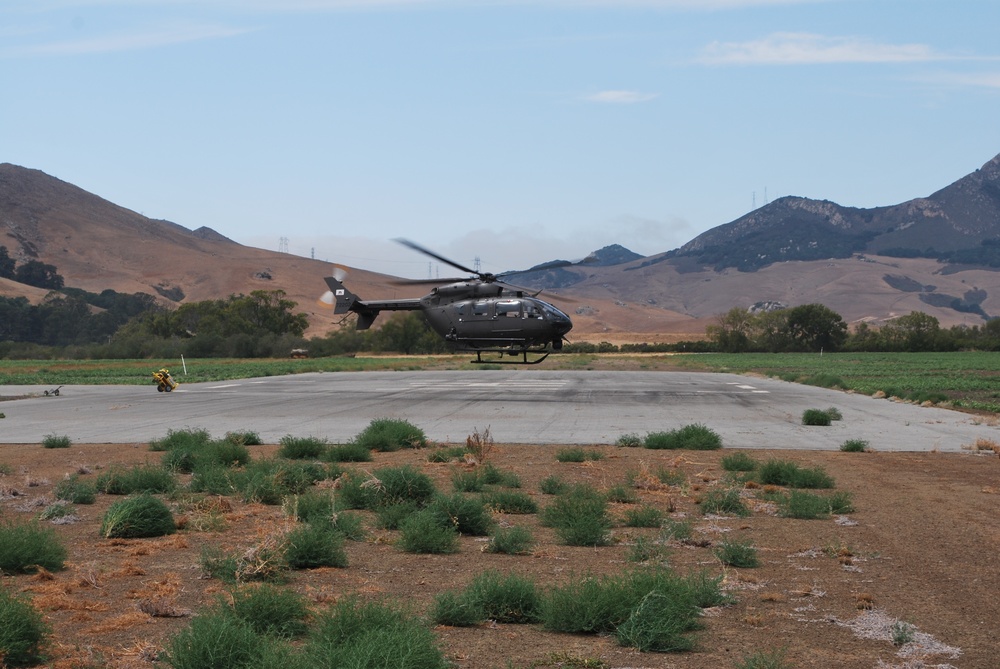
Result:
[[467, 515], [27, 547], [740, 554], [816, 417], [301, 448], [272, 611], [510, 501], [696, 437], [854, 446], [244, 438], [579, 517], [553, 485], [315, 545], [446, 454], [422, 532], [186, 438], [391, 434], [75, 491], [764, 659], [150, 479], [789, 474], [220, 640], [727, 502], [738, 461], [495, 476], [630, 440], [24, 634], [516, 540], [137, 516], [56, 441], [644, 516], [349, 452]]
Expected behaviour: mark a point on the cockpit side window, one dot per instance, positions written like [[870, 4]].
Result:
[[509, 309], [481, 309]]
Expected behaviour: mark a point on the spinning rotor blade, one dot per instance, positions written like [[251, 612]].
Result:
[[428, 252], [328, 298]]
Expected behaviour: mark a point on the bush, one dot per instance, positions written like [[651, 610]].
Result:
[[644, 516], [311, 506], [738, 461], [391, 434], [392, 516], [244, 438], [371, 635], [26, 547], [804, 506], [315, 545], [494, 476], [269, 610], [423, 533], [737, 554], [516, 540], [579, 517], [761, 659], [695, 437], [658, 624], [137, 516], [75, 491], [261, 563], [447, 454], [630, 440], [455, 610], [505, 599], [510, 501], [56, 441], [349, 452], [187, 438], [467, 481], [577, 455], [218, 640], [139, 479], [23, 631], [724, 502], [466, 515], [301, 448], [553, 485], [678, 530], [270, 481], [622, 494], [785, 473], [388, 486], [854, 446], [815, 417]]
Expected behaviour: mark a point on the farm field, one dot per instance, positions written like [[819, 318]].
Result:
[[965, 379], [914, 560]]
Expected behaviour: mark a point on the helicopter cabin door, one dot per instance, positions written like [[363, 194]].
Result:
[[508, 320]]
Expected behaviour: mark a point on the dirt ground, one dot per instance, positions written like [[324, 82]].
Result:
[[920, 547]]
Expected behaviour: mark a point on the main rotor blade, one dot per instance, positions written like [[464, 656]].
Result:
[[428, 252], [428, 282], [555, 264]]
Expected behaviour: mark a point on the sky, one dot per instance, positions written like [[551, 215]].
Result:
[[499, 133]]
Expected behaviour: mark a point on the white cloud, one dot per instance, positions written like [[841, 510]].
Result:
[[812, 49], [621, 97], [131, 41], [965, 79]]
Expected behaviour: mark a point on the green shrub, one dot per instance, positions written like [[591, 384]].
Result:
[[392, 516], [516, 540], [421, 532], [24, 634], [137, 516], [761, 659], [75, 491], [269, 481], [740, 554], [447, 454], [277, 612], [553, 485], [217, 640], [813, 478], [505, 599], [696, 437], [678, 530], [26, 547], [455, 610], [391, 434], [578, 455], [301, 448], [824, 380], [388, 486], [738, 461], [315, 545], [56, 441], [467, 481], [510, 501], [657, 624], [494, 476], [622, 494], [854, 446], [371, 635], [834, 413], [57, 510], [349, 452], [644, 516], [645, 550], [630, 440], [186, 438], [311, 506], [579, 517], [244, 438], [815, 417], [785, 473], [804, 505], [840, 502], [139, 479], [467, 515], [213, 480], [726, 502]]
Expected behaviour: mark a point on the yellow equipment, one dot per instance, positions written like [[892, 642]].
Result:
[[164, 382]]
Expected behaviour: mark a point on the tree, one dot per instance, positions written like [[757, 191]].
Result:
[[732, 334], [814, 327], [6, 264], [38, 274], [915, 331]]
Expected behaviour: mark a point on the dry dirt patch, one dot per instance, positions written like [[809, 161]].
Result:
[[921, 547]]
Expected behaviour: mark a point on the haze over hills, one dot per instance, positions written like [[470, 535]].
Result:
[[792, 251]]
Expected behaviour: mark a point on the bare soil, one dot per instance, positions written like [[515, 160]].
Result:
[[921, 547]]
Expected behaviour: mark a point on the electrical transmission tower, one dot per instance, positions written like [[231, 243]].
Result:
[[283, 245]]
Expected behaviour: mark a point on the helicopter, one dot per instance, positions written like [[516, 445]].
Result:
[[480, 314]]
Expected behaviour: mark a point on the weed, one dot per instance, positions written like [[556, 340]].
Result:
[[738, 554], [391, 517], [840, 502], [815, 417], [27, 547], [56, 441], [577, 455], [277, 612], [186, 438], [310, 506], [75, 491], [657, 624], [510, 501], [24, 633], [834, 413], [244, 438], [785, 473], [854, 446], [696, 437], [56, 511], [804, 505], [467, 481], [301, 448], [812, 478], [479, 444], [761, 659], [219, 640], [465, 514], [315, 545], [444, 454], [579, 517], [505, 599], [455, 610], [630, 440], [421, 532], [622, 494], [738, 461], [387, 487], [349, 452], [645, 550], [494, 476], [139, 479], [264, 562], [724, 502], [137, 516], [391, 434], [902, 633], [670, 476], [644, 516], [678, 530], [553, 485], [516, 540]]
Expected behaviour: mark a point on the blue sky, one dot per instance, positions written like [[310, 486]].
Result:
[[513, 131]]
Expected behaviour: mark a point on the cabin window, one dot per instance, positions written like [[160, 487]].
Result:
[[481, 309], [509, 309], [531, 311]]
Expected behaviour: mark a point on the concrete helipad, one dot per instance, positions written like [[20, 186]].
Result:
[[519, 406]]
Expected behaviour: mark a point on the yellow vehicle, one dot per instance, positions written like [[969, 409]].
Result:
[[164, 382]]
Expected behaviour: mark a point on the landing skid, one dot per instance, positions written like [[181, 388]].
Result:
[[500, 361]]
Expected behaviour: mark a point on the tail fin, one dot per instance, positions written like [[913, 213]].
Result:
[[346, 301]]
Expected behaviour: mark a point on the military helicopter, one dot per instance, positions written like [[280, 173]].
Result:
[[479, 314]]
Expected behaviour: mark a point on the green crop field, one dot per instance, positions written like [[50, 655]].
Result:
[[967, 379]]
